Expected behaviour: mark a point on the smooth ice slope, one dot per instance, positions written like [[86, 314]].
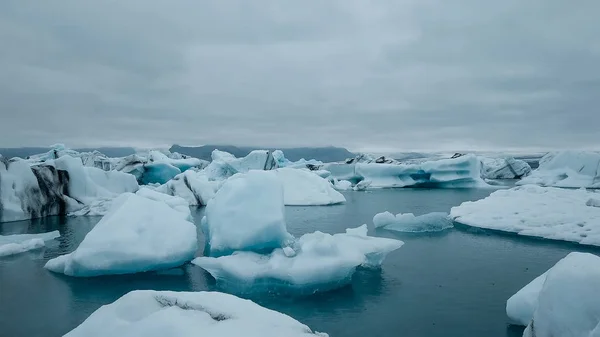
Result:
[[16, 244], [546, 212], [304, 188], [408, 222], [567, 169], [504, 168], [315, 262], [151, 313], [565, 300], [136, 235], [247, 213]]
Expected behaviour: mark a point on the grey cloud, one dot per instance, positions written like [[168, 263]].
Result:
[[401, 75]]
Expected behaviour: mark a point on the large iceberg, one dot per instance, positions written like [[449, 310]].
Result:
[[152, 313], [224, 164], [305, 188], [564, 301], [504, 168], [408, 222], [458, 172], [192, 186], [19, 243], [136, 235], [157, 167], [567, 169], [546, 212], [314, 262], [247, 213]]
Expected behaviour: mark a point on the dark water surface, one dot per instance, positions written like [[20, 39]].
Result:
[[453, 283]]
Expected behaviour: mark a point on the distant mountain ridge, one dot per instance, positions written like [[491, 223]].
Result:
[[24, 152], [324, 154]]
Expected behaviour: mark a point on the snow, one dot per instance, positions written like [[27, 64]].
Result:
[[136, 235], [247, 213], [314, 262], [304, 188], [563, 301], [152, 313], [19, 243], [192, 186], [459, 172], [408, 222], [546, 212], [567, 169], [504, 168]]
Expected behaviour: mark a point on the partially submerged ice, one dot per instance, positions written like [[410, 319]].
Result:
[[408, 222], [564, 301], [136, 235], [305, 188], [158, 167], [19, 243], [504, 168], [546, 212], [152, 313], [458, 172], [315, 262], [567, 169]]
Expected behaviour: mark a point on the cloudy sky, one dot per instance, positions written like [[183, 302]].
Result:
[[367, 75]]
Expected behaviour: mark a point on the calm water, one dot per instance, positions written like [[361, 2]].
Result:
[[453, 283]]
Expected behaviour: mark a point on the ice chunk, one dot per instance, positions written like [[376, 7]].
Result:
[[320, 262], [593, 202], [304, 188], [225, 165], [136, 235], [408, 222], [362, 185], [504, 168], [152, 313], [192, 186], [567, 169], [565, 299], [19, 243], [342, 185], [177, 203], [546, 212], [247, 213], [159, 173]]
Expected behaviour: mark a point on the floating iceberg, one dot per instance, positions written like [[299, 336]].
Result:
[[152, 313], [504, 168], [247, 213], [157, 167], [459, 172], [136, 235], [305, 188], [561, 302], [300, 164], [408, 222], [16, 244], [225, 164], [177, 203], [314, 262], [593, 202], [546, 212], [342, 185], [192, 186], [567, 169]]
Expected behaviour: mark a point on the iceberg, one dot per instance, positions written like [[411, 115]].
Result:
[[225, 165], [561, 302], [458, 172], [247, 213], [281, 161], [504, 168], [315, 262], [177, 203], [342, 185], [545, 212], [305, 188], [19, 243], [593, 202], [567, 169], [136, 235], [152, 313], [408, 222], [192, 186], [157, 167]]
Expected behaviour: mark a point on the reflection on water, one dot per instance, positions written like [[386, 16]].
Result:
[[452, 283]]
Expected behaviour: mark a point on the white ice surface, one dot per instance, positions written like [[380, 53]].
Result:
[[137, 234], [342, 185], [408, 222], [546, 212], [567, 169], [152, 313], [521, 306], [225, 164], [503, 168], [247, 213], [192, 186], [19, 243], [305, 188]]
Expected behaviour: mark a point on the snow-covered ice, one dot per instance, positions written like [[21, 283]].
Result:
[[305, 188], [152, 313], [19, 243], [314, 262], [408, 222], [504, 168], [564, 301], [546, 212], [247, 213], [567, 169], [137, 234]]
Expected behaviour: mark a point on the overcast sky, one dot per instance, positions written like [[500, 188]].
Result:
[[367, 75]]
